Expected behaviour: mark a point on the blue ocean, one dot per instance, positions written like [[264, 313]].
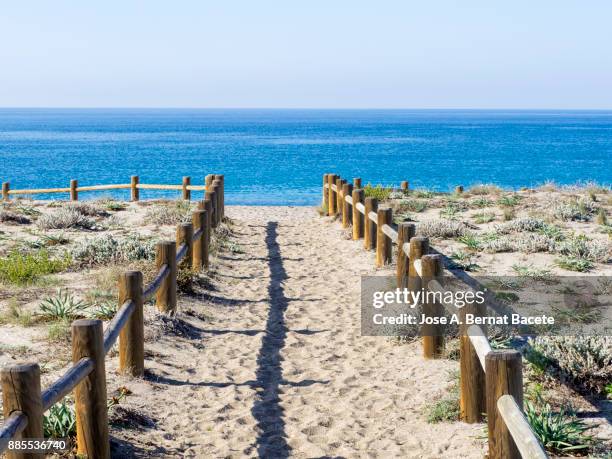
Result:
[[278, 157]]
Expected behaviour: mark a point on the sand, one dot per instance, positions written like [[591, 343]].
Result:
[[273, 364]]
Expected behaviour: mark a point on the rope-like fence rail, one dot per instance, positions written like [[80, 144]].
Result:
[[491, 381], [135, 186], [25, 402]]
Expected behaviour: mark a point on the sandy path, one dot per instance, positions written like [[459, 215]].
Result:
[[278, 367]]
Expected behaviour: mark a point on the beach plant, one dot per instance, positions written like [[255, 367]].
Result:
[[585, 361], [524, 243], [509, 200], [574, 264], [15, 314], [471, 241], [64, 218], [520, 225], [582, 247], [602, 218], [413, 205], [168, 213], [30, 211], [25, 268], [481, 202], [484, 189], [532, 272], [62, 306], [445, 409], [450, 211], [114, 206], [89, 209], [106, 248], [572, 210], [464, 261], [59, 332], [103, 311], [422, 193], [442, 228], [483, 217], [60, 421], [379, 192]]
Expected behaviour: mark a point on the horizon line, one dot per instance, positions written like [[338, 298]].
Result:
[[299, 108]]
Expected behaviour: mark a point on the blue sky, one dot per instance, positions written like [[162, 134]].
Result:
[[334, 53]]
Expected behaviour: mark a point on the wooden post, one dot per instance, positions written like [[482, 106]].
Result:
[[199, 245], [221, 179], [472, 394], [325, 192], [404, 186], [384, 244], [357, 183], [21, 392], [208, 209], [433, 335], [419, 246], [218, 201], [358, 221], [405, 232], [208, 180], [186, 192], [90, 394], [210, 196], [458, 189], [135, 191], [369, 238], [347, 190], [184, 235], [504, 375], [131, 338], [166, 294], [331, 207], [340, 183], [6, 186], [74, 193]]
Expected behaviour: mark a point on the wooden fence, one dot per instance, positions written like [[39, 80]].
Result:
[[491, 381], [23, 400], [134, 186]]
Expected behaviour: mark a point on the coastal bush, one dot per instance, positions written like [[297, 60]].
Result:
[[63, 218], [25, 268], [11, 217], [171, 213], [509, 201], [573, 210], [471, 241], [60, 421], [106, 248], [602, 218], [378, 192], [574, 264], [89, 209], [519, 225], [532, 272], [585, 360], [484, 189], [103, 311], [422, 193], [524, 243], [442, 228], [413, 205], [580, 246], [464, 261], [483, 217]]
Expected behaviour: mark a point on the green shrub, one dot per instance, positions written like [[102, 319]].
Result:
[[104, 311], [413, 205], [483, 217], [509, 201], [574, 264], [23, 269], [581, 246], [60, 421], [463, 261], [559, 432], [470, 241], [445, 410], [422, 193], [62, 306], [532, 272], [378, 192], [574, 209], [481, 202], [105, 249]]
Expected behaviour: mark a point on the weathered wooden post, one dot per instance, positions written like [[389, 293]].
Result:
[[134, 180], [405, 232], [131, 338], [74, 192], [208, 208], [199, 245], [325, 192], [184, 235], [186, 191], [21, 392], [384, 244], [339, 206], [369, 238], [357, 183], [166, 294], [218, 204], [347, 190], [459, 189], [404, 186], [210, 196], [419, 246], [331, 207], [6, 186], [358, 221], [221, 179], [504, 375], [90, 394], [433, 335], [472, 393]]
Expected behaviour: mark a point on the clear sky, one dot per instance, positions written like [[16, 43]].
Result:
[[309, 53]]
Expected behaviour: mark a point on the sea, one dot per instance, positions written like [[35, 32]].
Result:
[[278, 156]]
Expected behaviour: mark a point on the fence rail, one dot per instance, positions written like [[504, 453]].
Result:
[[74, 189], [25, 403], [491, 382]]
